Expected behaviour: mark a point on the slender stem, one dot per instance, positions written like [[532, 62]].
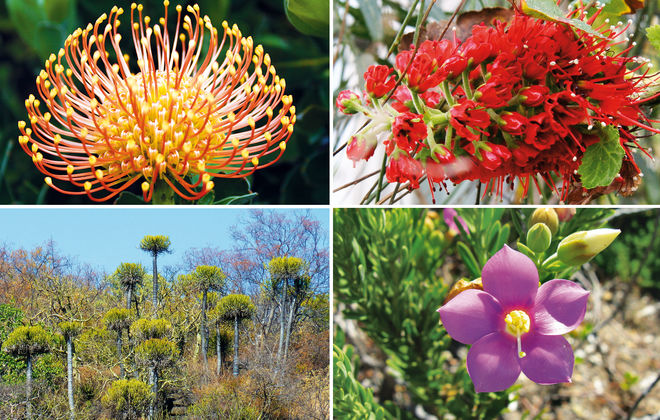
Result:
[[641, 397], [357, 181], [380, 177], [399, 35], [342, 30], [396, 190]]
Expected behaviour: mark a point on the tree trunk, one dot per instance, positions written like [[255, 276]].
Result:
[[236, 345], [119, 357], [203, 331], [153, 380], [280, 347], [129, 297], [28, 391], [69, 375], [218, 349], [155, 283], [288, 328]]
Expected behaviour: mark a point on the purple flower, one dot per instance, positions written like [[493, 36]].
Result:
[[513, 324], [449, 215]]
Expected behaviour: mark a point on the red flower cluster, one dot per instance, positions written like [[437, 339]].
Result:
[[516, 100]]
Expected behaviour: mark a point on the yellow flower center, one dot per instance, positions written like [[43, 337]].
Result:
[[164, 124], [517, 324]]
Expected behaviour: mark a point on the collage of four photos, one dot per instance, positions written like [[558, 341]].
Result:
[[364, 209]]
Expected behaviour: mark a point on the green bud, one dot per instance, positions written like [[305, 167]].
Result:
[[579, 247], [539, 237], [547, 216]]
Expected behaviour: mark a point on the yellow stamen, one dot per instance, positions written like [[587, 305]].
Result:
[[517, 324]]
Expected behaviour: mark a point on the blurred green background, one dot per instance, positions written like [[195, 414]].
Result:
[[30, 30]]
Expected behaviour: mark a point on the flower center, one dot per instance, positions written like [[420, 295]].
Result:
[[154, 129], [517, 324]]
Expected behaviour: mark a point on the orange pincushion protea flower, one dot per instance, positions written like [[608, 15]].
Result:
[[186, 116]]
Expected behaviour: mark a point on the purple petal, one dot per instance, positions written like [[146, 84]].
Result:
[[492, 363], [511, 278], [549, 359], [450, 216], [471, 315], [560, 307]]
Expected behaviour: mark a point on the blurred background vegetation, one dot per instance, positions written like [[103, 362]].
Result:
[[30, 30]]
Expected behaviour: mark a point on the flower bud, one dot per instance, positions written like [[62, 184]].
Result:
[[539, 237], [348, 102], [565, 213], [579, 247], [361, 148], [547, 216]]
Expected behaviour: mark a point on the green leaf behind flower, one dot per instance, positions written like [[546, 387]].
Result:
[[549, 10], [653, 35], [311, 17], [602, 160]]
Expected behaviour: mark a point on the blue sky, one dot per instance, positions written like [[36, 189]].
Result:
[[105, 237]]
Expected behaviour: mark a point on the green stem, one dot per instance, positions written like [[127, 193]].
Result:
[[466, 84], [445, 91], [163, 194], [380, 177]]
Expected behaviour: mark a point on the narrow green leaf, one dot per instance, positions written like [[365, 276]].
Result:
[[468, 259], [237, 199], [602, 161], [371, 11]]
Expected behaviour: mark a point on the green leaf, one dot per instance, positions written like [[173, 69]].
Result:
[[468, 259], [549, 10], [207, 199], [311, 17], [127, 197], [653, 34], [372, 16], [237, 199], [602, 160]]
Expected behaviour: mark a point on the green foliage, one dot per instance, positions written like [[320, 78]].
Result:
[[155, 244], [130, 274], [549, 10], [232, 306], [128, 398], [157, 352], [487, 236], [351, 399], [628, 254], [50, 368], [311, 17], [653, 35], [208, 277], [43, 25], [117, 319], [145, 329], [27, 340], [285, 267], [602, 160], [11, 368], [385, 272], [70, 328]]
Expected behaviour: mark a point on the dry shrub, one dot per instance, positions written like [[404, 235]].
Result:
[[225, 400]]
